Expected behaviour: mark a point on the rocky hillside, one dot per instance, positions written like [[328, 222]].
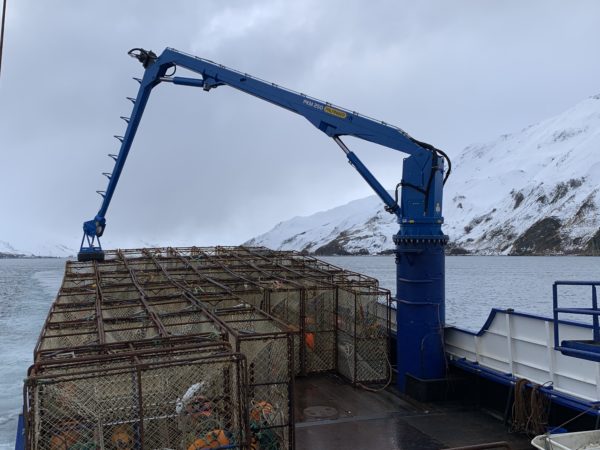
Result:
[[536, 191]]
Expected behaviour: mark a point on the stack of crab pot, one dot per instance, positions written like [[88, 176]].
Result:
[[124, 361], [265, 341], [343, 317], [196, 347], [307, 304]]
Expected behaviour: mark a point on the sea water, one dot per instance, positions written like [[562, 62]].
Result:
[[474, 285], [27, 289]]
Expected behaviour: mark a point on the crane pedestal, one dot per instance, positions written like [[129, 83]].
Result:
[[420, 303]]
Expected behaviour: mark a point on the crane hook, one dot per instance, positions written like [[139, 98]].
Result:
[[146, 57]]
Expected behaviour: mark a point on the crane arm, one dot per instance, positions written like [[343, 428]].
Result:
[[422, 172]]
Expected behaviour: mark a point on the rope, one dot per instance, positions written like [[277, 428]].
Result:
[[540, 409], [530, 408], [2, 32], [519, 409], [594, 406], [370, 389]]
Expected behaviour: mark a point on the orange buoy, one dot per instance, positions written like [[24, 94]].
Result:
[[122, 438], [198, 444], [64, 440], [261, 410], [213, 439], [309, 338]]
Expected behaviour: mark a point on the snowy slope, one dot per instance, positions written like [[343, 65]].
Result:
[[360, 226], [52, 250], [536, 191]]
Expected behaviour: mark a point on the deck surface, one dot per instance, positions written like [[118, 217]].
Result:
[[368, 420]]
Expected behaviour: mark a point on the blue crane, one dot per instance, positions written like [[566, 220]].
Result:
[[420, 302]]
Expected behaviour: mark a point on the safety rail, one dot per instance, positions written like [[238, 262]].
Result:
[[585, 349]]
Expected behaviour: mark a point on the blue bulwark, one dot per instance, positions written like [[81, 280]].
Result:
[[20, 440]]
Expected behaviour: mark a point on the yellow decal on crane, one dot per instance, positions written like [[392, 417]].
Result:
[[335, 112]]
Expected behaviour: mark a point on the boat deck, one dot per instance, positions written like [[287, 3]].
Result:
[[383, 420]]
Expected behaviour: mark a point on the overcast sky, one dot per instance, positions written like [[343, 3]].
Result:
[[222, 167]]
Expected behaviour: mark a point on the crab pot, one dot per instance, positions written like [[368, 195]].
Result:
[[294, 267], [318, 332], [313, 345], [174, 400], [343, 328], [267, 345], [363, 335], [123, 349], [110, 303], [284, 303], [303, 298]]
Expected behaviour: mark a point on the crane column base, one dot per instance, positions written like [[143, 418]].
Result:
[[420, 307]]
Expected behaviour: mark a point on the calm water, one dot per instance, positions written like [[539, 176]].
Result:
[[474, 285]]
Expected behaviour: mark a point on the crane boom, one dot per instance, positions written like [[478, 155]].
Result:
[[420, 241]]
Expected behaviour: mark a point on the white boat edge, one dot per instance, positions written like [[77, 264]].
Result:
[[514, 345]]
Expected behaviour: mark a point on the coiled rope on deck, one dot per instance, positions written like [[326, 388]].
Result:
[[531, 408]]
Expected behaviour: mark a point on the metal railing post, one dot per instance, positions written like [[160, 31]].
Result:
[[595, 316], [555, 312]]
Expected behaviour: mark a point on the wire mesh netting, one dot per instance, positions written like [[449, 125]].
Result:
[[363, 335]]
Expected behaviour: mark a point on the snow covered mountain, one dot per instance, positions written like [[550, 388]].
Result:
[[359, 227], [536, 191], [7, 250]]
